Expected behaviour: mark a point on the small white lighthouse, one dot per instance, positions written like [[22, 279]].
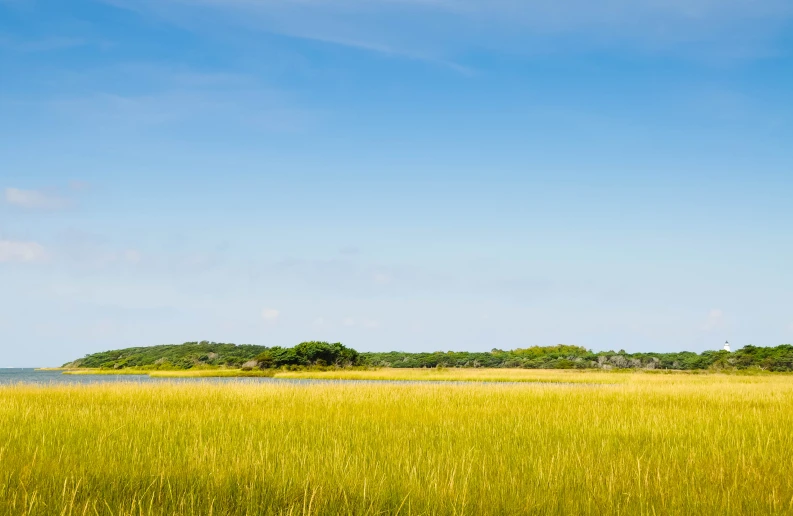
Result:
[[727, 346]]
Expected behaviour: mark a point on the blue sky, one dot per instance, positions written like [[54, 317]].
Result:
[[394, 174]]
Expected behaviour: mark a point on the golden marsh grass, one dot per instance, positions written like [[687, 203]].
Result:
[[386, 374], [649, 444], [460, 375]]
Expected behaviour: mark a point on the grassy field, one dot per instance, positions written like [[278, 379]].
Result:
[[642, 444], [459, 375], [412, 375], [186, 373]]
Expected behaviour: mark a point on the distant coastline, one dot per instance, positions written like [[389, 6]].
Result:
[[323, 356]]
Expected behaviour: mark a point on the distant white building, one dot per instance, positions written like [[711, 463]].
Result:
[[727, 346]]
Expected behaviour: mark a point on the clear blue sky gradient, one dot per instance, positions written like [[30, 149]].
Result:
[[397, 175]]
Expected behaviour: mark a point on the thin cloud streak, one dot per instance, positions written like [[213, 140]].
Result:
[[34, 199], [435, 31], [21, 252], [715, 320], [270, 314], [50, 44]]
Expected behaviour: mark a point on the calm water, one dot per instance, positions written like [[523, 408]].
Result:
[[12, 376]]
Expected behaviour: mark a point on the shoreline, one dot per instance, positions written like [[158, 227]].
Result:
[[488, 375]]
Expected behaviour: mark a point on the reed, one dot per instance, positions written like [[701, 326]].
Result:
[[643, 444]]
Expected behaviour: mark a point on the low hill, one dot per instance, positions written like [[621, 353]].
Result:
[[319, 354], [216, 354]]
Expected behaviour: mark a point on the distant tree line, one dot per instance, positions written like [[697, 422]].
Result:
[[217, 354], [323, 354], [779, 358]]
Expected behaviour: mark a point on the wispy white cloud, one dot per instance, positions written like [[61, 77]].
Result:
[[132, 256], [714, 320], [188, 100], [93, 252], [21, 252], [350, 250], [79, 186], [381, 278], [385, 50], [353, 25], [48, 44], [434, 30], [538, 12], [34, 199], [270, 314], [236, 109]]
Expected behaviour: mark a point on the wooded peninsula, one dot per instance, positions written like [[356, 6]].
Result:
[[314, 354]]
